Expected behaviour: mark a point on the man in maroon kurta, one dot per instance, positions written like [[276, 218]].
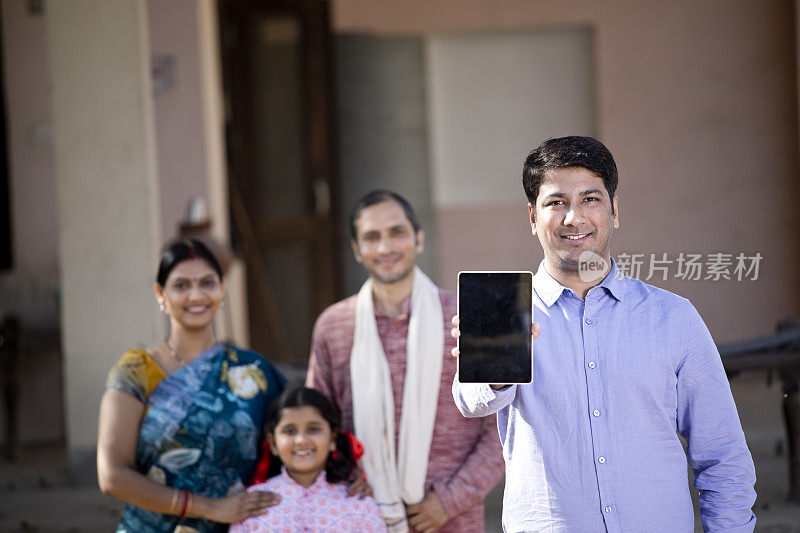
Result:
[[465, 459]]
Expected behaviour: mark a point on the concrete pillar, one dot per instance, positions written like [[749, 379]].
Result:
[[106, 195]]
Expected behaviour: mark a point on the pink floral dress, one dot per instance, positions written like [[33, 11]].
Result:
[[321, 508]]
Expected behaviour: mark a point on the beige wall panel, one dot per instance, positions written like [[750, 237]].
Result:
[[490, 96]]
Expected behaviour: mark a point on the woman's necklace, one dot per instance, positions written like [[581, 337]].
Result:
[[174, 354]]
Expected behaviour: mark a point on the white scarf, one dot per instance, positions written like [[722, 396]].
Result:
[[397, 478]]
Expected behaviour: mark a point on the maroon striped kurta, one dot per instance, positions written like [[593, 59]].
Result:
[[465, 460]]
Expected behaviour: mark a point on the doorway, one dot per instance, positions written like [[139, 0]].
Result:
[[277, 78]]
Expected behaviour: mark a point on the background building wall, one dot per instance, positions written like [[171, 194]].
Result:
[[382, 133], [696, 100], [177, 108], [31, 284], [107, 195], [189, 155], [492, 95], [30, 289]]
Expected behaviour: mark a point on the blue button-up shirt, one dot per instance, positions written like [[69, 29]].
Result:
[[592, 444]]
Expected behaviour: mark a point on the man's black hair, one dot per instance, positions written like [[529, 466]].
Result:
[[376, 197], [562, 152]]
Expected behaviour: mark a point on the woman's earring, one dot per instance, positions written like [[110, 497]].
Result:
[[162, 308]]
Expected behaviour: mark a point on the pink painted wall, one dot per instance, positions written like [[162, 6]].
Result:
[[698, 103], [178, 110]]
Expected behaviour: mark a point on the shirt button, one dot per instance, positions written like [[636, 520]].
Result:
[[596, 412], [589, 321], [601, 460], [591, 364], [608, 508]]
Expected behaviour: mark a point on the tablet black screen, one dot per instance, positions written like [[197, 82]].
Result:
[[494, 310]]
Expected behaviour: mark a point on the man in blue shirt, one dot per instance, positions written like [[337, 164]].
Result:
[[620, 367]]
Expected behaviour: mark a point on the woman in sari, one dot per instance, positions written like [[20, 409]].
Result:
[[180, 422]]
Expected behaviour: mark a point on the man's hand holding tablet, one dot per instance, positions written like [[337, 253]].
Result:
[[455, 333]]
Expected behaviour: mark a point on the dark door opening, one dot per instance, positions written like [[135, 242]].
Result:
[[277, 79]]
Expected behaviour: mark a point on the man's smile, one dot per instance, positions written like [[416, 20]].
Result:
[[576, 237], [389, 261]]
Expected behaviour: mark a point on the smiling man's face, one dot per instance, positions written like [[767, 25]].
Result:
[[573, 214], [386, 244]]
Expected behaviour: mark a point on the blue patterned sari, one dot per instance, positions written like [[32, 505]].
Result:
[[201, 429]]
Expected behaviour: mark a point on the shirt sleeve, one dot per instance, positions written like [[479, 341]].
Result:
[[479, 399], [717, 451], [477, 475], [319, 375]]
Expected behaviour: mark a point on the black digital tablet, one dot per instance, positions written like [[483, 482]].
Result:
[[495, 311]]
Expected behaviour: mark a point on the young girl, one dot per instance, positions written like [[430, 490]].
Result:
[[313, 461]]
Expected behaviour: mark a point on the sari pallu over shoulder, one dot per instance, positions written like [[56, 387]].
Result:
[[201, 432]]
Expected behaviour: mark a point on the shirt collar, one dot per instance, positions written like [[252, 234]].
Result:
[[546, 286], [319, 481], [614, 282], [549, 290]]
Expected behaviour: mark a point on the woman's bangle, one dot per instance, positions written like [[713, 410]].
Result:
[[173, 507], [189, 505], [186, 495]]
